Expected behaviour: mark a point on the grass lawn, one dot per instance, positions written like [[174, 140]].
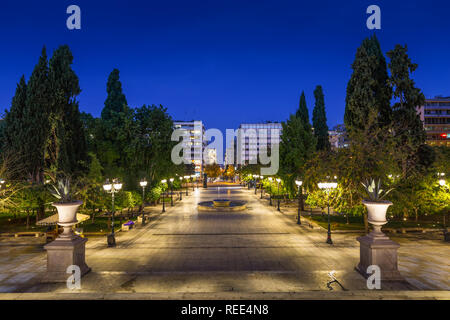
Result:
[[357, 223]]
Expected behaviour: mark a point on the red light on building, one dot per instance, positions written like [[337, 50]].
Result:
[[444, 135]]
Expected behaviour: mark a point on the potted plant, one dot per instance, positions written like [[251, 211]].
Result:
[[376, 206], [66, 206]]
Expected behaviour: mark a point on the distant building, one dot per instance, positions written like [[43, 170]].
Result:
[[338, 137], [435, 115], [196, 143], [254, 136], [211, 156]]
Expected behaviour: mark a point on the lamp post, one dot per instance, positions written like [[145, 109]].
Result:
[[171, 191], [278, 194], [112, 188], [255, 178], [261, 177], [192, 181], [143, 184], [300, 199], [164, 198], [181, 191], [187, 184], [270, 195], [327, 186]]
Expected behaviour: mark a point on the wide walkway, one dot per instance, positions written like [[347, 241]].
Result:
[[258, 250]]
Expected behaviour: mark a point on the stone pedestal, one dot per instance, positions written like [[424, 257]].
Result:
[[63, 252], [377, 249]]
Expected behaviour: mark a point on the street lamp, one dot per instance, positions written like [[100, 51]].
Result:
[[181, 191], [192, 181], [255, 177], [300, 199], [441, 180], [112, 188], [171, 191], [278, 193], [187, 184], [327, 186], [261, 177], [270, 195], [164, 198], [143, 184]]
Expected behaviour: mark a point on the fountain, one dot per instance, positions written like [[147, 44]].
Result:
[[221, 205]]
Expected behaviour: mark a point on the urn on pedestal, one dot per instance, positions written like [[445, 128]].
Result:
[[68, 249], [376, 248]]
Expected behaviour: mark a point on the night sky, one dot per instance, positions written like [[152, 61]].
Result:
[[223, 62]]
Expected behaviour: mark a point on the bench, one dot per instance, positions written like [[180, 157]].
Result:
[[127, 226]]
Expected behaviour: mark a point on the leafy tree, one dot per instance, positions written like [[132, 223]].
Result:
[[152, 143], [408, 128], [320, 121], [297, 145], [368, 89], [212, 170]]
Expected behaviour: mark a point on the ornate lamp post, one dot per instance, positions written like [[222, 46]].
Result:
[[261, 177], [327, 186], [187, 184], [278, 193], [112, 188], [171, 191], [164, 198], [255, 178], [270, 195], [300, 199], [181, 191], [143, 184]]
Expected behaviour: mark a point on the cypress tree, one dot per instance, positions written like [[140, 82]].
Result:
[[13, 133], [115, 101], [302, 111], [67, 136], [408, 128], [320, 121], [368, 90], [35, 123]]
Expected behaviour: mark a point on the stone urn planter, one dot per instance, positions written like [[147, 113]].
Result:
[[376, 249], [67, 216], [376, 213]]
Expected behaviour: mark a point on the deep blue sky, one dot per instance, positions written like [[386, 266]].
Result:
[[224, 62]]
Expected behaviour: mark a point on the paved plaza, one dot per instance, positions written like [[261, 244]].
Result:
[[259, 250]]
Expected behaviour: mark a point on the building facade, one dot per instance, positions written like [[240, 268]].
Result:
[[435, 115], [255, 137], [338, 137], [194, 143]]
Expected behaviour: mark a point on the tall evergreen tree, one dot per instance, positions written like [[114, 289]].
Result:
[[302, 111], [13, 133], [67, 146], [116, 101], [408, 128], [35, 124], [368, 89], [320, 121]]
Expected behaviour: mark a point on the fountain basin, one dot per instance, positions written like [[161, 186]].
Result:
[[222, 205]]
